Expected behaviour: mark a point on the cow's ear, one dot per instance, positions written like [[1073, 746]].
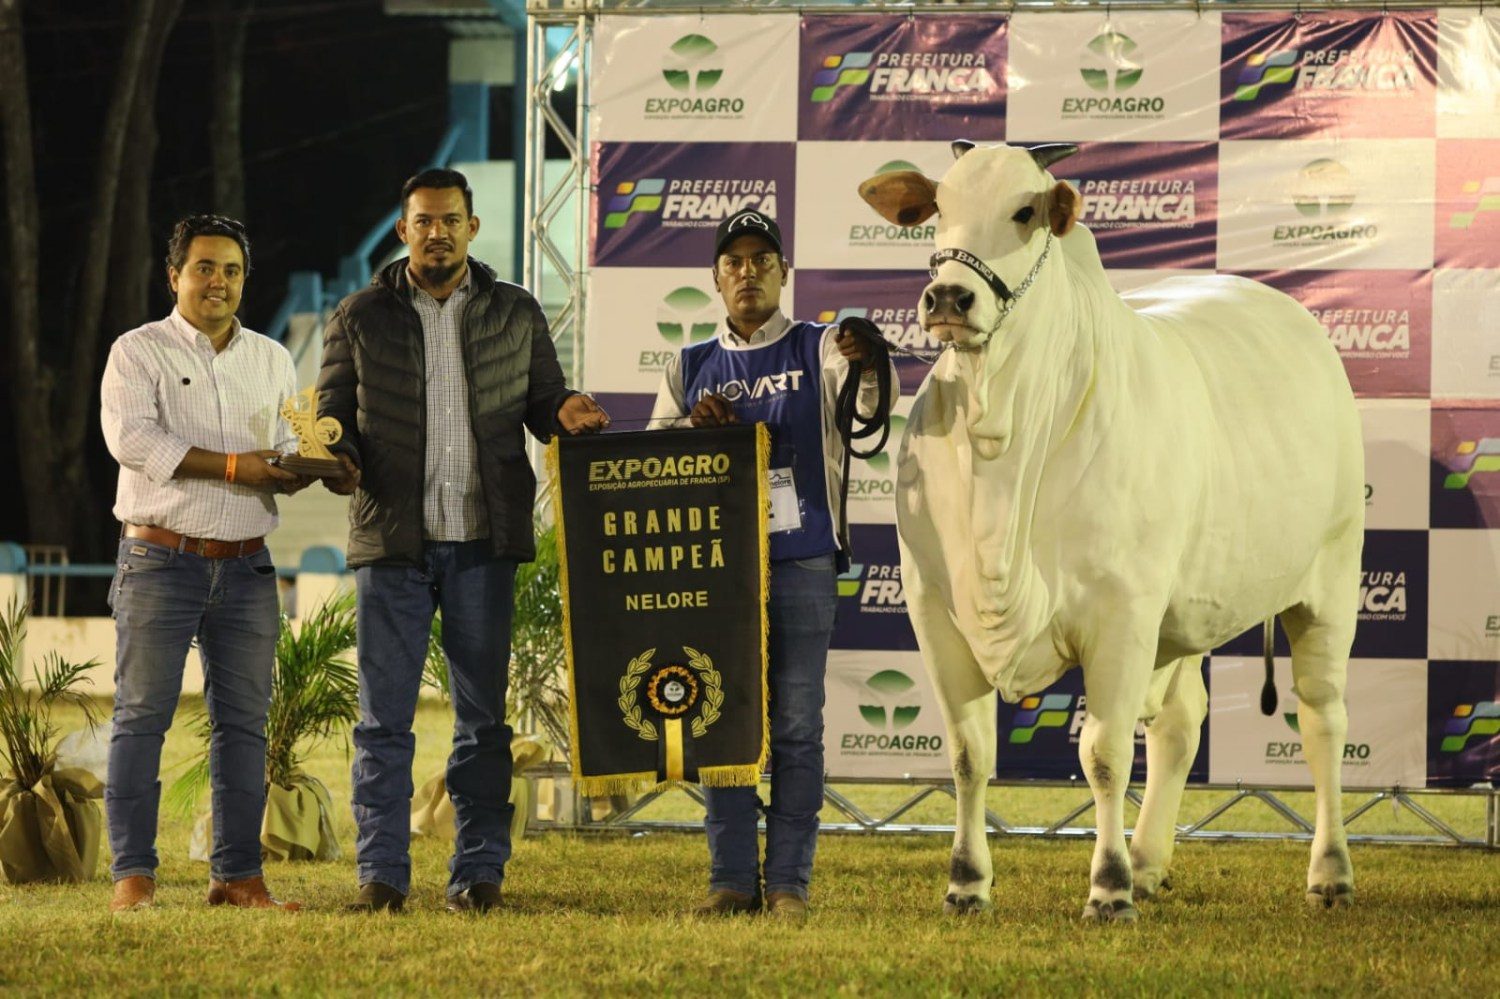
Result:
[[901, 197], [1062, 207]]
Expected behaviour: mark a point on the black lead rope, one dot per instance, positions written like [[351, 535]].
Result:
[[850, 424]]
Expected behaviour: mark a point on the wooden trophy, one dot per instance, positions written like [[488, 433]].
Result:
[[314, 434]]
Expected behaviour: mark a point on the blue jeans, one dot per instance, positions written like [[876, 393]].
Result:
[[163, 599], [802, 600], [475, 592]]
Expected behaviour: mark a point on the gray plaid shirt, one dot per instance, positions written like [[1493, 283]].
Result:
[[453, 504]]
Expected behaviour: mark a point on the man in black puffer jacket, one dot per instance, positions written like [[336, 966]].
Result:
[[432, 371]]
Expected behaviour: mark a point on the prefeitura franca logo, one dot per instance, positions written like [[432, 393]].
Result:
[[1479, 720], [670, 690], [851, 69], [1036, 713], [632, 197]]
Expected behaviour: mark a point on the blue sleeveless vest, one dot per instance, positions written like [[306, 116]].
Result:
[[779, 384]]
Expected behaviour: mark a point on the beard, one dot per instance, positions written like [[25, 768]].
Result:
[[440, 274]]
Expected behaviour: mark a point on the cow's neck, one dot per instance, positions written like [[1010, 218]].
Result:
[[1025, 393]]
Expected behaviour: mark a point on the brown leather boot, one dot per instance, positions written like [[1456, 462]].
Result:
[[788, 907], [246, 893], [134, 892], [725, 902]]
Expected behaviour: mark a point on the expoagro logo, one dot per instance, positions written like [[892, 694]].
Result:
[[1320, 73], [686, 316], [897, 706], [899, 76], [1473, 458], [691, 67], [1479, 720], [1322, 191], [1035, 713], [1109, 66], [1290, 751]]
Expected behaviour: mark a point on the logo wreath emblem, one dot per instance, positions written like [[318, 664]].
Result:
[[699, 666]]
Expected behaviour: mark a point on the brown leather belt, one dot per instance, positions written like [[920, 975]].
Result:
[[206, 547]]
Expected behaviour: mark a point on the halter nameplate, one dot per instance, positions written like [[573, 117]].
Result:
[[974, 264]]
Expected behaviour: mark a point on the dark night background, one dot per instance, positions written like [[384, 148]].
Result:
[[341, 103]]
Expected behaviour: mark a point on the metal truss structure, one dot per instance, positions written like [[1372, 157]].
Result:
[[554, 275]]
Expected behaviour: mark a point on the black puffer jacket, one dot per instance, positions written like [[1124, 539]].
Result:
[[373, 382]]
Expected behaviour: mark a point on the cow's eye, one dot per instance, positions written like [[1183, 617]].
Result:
[[1024, 215]]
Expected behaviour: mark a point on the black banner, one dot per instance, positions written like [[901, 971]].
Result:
[[664, 557]]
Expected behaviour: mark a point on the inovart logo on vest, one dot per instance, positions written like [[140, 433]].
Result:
[[889, 702], [886, 234], [876, 585], [1471, 458], [689, 202], [1470, 722], [1323, 191], [692, 66], [904, 76], [1367, 333], [900, 327], [1110, 66], [1323, 73], [685, 316], [1289, 750], [1479, 197]]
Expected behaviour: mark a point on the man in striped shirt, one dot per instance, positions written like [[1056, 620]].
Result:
[[191, 408]]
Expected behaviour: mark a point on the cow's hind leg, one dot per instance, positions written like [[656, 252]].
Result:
[[1320, 641], [968, 704], [1116, 684], [1171, 743]]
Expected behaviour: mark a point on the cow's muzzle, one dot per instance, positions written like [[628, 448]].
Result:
[[947, 305]]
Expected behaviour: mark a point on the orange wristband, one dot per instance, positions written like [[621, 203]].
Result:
[[229, 464]]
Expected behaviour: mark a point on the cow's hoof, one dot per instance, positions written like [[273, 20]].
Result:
[[1147, 887], [1333, 896], [965, 905], [1118, 911]]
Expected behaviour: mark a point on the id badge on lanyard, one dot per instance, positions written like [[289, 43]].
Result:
[[786, 512]]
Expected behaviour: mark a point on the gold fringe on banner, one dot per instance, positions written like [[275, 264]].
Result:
[[554, 470], [736, 777]]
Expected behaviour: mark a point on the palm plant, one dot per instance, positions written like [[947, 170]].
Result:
[[537, 694], [314, 697], [26, 712]]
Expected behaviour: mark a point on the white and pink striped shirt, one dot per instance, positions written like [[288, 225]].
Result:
[[166, 390]]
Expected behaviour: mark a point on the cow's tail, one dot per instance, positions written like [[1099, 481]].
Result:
[[1268, 649]]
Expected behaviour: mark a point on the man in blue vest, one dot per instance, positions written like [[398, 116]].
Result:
[[796, 369]]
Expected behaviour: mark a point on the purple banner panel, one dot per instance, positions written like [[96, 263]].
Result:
[[657, 204], [1463, 723], [900, 77], [1331, 74], [627, 410], [1392, 608], [1466, 464], [886, 298], [1380, 322], [1148, 204], [872, 604], [1038, 738], [1467, 228]]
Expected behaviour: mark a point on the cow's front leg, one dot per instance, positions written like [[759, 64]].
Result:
[[971, 748], [1116, 691]]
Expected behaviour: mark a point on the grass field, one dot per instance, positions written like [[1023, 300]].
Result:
[[590, 913]]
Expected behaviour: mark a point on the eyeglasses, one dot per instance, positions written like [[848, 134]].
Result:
[[761, 262]]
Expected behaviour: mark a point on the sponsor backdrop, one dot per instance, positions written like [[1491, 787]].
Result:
[[1351, 159]]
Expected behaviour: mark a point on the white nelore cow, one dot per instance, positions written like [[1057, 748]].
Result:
[[1120, 485]]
